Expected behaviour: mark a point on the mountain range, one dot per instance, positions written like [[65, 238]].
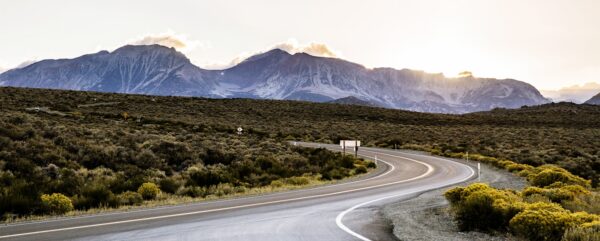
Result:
[[275, 74]]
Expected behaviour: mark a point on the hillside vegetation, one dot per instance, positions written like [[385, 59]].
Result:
[[56, 157], [95, 147]]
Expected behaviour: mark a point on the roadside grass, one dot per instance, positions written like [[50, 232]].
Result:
[[166, 199]]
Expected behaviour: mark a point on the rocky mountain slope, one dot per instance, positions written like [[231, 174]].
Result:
[[594, 100], [153, 70]]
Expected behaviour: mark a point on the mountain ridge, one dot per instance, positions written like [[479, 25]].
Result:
[[595, 100], [275, 74], [351, 100]]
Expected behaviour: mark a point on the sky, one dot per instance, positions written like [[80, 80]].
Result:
[[551, 43]]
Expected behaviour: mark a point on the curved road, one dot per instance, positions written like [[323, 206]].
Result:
[[336, 212]]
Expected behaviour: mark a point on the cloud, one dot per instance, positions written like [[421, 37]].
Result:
[[25, 64], [575, 93], [291, 46], [227, 64], [170, 39], [19, 66], [316, 49], [586, 86]]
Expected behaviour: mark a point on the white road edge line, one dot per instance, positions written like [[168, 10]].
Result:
[[338, 219], [206, 211]]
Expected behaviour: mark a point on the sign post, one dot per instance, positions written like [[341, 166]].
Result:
[[350, 143]]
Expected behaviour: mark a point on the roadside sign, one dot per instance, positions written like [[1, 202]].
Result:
[[350, 143]]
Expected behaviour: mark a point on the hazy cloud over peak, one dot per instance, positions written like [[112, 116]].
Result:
[[25, 64], [291, 46], [170, 39], [574, 93], [317, 49]]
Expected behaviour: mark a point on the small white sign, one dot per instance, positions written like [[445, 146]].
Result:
[[349, 143]]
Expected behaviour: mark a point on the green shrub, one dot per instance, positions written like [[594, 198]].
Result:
[[193, 191], [535, 198], [361, 170], [542, 222], [516, 167], [504, 164], [586, 202], [575, 189], [148, 190], [551, 207], [558, 195], [551, 174], [276, 183], [526, 172], [457, 194], [239, 189], [130, 198], [532, 190], [95, 195], [585, 232], [480, 207], [298, 181], [169, 185], [56, 203], [371, 165], [223, 189], [486, 210], [454, 195]]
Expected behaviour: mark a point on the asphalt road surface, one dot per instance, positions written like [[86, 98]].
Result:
[[345, 211]]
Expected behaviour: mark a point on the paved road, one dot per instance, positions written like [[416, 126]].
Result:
[[344, 211]]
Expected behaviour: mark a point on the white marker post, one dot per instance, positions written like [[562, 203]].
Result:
[[479, 172], [467, 157]]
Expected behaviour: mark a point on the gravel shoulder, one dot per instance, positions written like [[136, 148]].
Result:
[[427, 216]]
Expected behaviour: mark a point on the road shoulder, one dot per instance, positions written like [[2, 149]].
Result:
[[427, 217]]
